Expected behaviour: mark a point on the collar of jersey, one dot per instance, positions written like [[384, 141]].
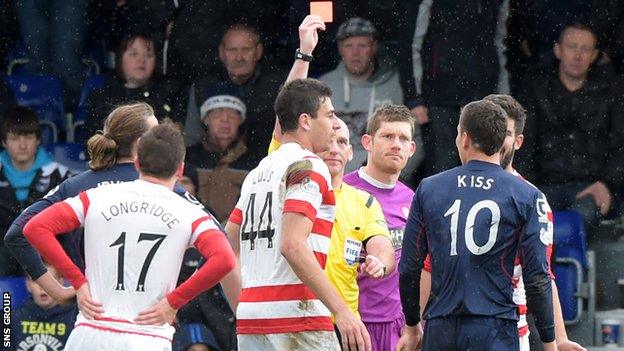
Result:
[[374, 182]]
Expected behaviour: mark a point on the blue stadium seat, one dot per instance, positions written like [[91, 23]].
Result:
[[71, 155], [570, 263], [16, 286], [44, 94]]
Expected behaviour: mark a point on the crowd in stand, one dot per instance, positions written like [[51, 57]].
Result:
[[215, 68]]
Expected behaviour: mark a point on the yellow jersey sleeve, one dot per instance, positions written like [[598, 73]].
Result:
[[274, 144], [375, 221]]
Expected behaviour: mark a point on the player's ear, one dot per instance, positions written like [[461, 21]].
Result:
[[180, 171], [305, 121], [518, 142], [367, 142], [136, 163], [412, 149]]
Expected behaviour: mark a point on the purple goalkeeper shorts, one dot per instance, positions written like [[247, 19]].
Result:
[[385, 336]]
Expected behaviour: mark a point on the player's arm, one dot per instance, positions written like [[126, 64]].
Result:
[[410, 267], [380, 259], [306, 190], [231, 284], [425, 284], [41, 232], [308, 38], [215, 248], [18, 245], [295, 228], [534, 242]]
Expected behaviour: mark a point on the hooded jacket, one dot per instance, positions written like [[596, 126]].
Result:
[[355, 101]]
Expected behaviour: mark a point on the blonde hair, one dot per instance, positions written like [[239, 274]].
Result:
[[123, 126]]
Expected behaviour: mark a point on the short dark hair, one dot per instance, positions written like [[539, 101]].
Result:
[[513, 109], [297, 97], [486, 125], [21, 121], [161, 151], [389, 113], [578, 26]]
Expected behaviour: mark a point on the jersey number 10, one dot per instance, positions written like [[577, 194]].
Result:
[[121, 242], [453, 211]]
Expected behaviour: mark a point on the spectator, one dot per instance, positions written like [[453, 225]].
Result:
[[240, 53], [360, 83], [54, 34], [575, 130], [219, 164], [458, 57], [134, 79], [42, 321], [27, 173]]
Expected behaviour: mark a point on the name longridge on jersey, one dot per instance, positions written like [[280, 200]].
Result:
[[135, 207]]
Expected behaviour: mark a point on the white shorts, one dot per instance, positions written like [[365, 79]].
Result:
[[87, 338], [524, 343], [303, 341]]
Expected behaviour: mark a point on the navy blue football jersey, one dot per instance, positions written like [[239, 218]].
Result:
[[19, 246], [473, 220]]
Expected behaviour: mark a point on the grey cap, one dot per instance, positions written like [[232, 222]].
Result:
[[355, 26]]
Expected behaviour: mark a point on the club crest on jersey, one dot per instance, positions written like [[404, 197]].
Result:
[[51, 192], [309, 186], [543, 210], [405, 211]]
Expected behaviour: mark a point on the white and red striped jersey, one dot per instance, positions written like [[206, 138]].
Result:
[[135, 237], [519, 294], [273, 299]]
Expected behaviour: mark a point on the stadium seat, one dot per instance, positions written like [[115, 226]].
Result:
[[16, 286], [90, 84], [71, 155], [571, 265], [44, 94]]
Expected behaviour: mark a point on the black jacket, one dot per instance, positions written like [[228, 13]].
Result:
[[573, 136], [165, 96], [459, 56]]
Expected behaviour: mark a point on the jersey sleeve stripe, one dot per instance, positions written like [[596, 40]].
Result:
[[197, 222], [203, 224], [276, 293], [322, 227], [326, 213], [76, 204], [427, 264], [319, 243], [236, 216], [299, 206], [299, 176], [85, 202], [321, 258]]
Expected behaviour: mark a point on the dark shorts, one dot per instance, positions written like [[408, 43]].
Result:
[[470, 333]]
